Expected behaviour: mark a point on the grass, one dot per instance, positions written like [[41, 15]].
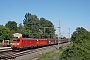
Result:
[[53, 55]]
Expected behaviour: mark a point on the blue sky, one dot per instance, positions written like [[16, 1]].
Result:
[[71, 13]]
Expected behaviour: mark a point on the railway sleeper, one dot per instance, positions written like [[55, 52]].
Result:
[[10, 56], [3, 57]]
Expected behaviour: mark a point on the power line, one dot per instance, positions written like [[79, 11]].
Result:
[[68, 33], [46, 27]]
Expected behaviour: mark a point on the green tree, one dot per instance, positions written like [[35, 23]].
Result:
[[31, 24], [80, 34], [19, 28], [47, 28], [38, 28], [26, 33], [80, 49], [12, 25], [4, 33]]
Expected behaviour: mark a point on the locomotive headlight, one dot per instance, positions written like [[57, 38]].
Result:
[[12, 43], [17, 43]]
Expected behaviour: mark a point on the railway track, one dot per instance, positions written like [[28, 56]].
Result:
[[2, 49], [26, 54], [16, 55]]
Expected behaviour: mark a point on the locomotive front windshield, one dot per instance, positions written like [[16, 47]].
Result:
[[16, 40]]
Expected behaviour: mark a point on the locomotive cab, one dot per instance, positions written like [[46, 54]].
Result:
[[16, 44]]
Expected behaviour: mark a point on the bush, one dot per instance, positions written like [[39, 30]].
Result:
[[80, 49]]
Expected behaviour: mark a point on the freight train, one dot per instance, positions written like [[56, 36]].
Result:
[[22, 43]]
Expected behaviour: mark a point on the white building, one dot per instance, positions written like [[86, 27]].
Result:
[[19, 35]]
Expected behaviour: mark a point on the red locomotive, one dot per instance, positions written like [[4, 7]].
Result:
[[22, 43]]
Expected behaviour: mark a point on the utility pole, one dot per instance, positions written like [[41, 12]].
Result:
[[59, 34], [45, 29], [69, 32], [69, 35]]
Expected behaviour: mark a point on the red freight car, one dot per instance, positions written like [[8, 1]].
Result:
[[52, 41]]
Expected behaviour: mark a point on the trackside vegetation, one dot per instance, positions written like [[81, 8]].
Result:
[[53, 55], [78, 49]]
